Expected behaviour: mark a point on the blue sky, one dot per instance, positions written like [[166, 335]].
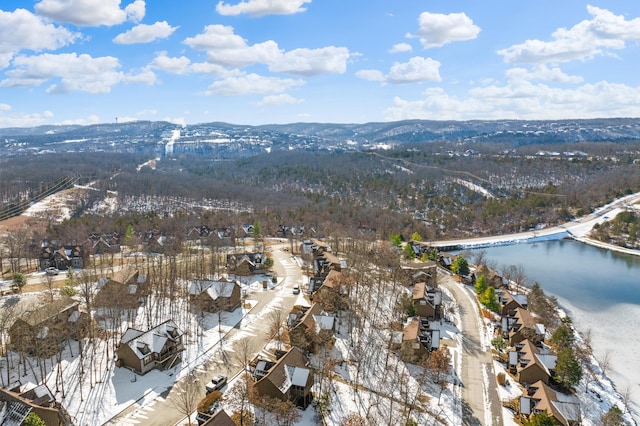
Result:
[[282, 61]]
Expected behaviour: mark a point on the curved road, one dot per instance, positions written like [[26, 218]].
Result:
[[480, 401]]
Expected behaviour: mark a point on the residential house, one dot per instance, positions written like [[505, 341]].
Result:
[[213, 296], [200, 233], [17, 403], [519, 325], [289, 378], [245, 264], [308, 326], [331, 292], [103, 243], [125, 289], [314, 247], [61, 257], [418, 340], [492, 278], [510, 302], [531, 364], [565, 409], [326, 263], [427, 300], [42, 331], [220, 418], [159, 347], [415, 272]]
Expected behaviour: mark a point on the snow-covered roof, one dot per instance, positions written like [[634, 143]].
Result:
[[214, 289], [324, 322], [151, 341], [75, 315]]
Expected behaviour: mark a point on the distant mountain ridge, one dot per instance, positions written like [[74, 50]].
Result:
[[144, 135]]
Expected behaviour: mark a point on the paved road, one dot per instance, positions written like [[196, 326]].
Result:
[[481, 403], [161, 412], [577, 228]]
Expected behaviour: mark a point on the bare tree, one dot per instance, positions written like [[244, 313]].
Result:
[[276, 318], [237, 398], [186, 396], [605, 362]]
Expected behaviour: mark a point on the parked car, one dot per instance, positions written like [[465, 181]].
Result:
[[216, 383], [296, 289], [52, 271]]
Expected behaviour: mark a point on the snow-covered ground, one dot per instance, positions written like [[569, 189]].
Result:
[[93, 393]]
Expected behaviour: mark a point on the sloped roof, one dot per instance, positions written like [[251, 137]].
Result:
[[124, 275], [410, 331], [152, 341], [561, 406], [48, 310], [332, 279], [288, 370], [214, 289]]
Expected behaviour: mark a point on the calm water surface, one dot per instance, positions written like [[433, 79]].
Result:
[[589, 277]]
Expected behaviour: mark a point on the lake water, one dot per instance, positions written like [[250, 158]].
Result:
[[599, 289]]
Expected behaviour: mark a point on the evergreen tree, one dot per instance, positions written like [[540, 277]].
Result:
[[489, 299], [19, 281], [481, 284], [416, 237], [568, 372], [408, 251], [613, 417], [563, 337], [460, 266]]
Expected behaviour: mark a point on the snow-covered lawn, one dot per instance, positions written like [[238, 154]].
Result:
[[93, 390]]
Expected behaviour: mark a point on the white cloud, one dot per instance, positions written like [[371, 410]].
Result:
[[91, 12], [401, 48], [226, 48], [437, 29], [542, 72], [280, 99], [172, 65], [145, 33], [584, 40], [25, 119], [180, 121], [71, 72], [308, 62], [416, 70], [522, 100], [251, 84], [262, 7], [22, 29], [4, 107]]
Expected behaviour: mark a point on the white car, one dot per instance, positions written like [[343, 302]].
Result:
[[216, 383], [296, 289], [52, 271]]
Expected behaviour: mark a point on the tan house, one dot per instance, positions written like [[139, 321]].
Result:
[[565, 409], [42, 331], [416, 272], [492, 277], [213, 296], [245, 264], [16, 404], [288, 378], [519, 325], [510, 302], [159, 347], [125, 289], [427, 300], [220, 418], [418, 340], [327, 262], [308, 326], [530, 363]]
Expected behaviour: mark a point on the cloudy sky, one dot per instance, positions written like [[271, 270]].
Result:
[[282, 61]]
